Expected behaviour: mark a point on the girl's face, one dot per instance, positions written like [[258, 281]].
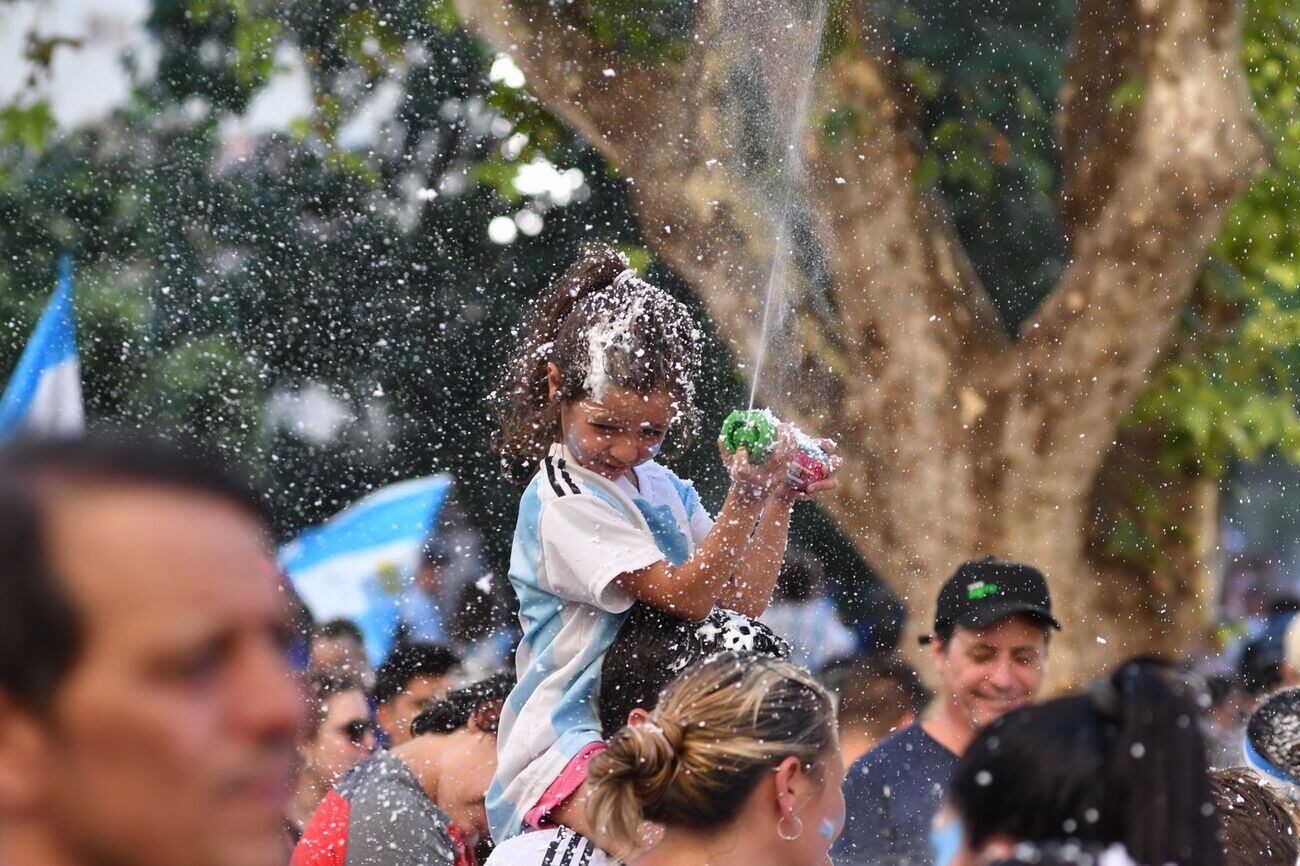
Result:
[[612, 435]]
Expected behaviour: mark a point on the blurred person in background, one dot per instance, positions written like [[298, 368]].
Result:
[[802, 613], [337, 645], [989, 647], [1271, 745], [1123, 764], [421, 802], [339, 733], [427, 605], [1225, 720], [147, 709], [482, 632], [874, 698], [407, 683], [1259, 828], [1290, 673]]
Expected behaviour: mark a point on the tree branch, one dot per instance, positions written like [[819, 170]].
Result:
[[1088, 352], [588, 86]]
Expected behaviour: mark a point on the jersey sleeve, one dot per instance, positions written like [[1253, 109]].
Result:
[[697, 516], [586, 544], [698, 521]]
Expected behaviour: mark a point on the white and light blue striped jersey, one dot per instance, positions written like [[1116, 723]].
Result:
[[576, 532]]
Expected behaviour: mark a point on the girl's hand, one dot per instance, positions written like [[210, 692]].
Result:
[[754, 482]]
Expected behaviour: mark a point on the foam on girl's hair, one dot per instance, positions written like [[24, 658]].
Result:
[[610, 333], [615, 315]]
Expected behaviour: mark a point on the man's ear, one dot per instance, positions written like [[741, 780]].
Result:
[[638, 716], [939, 652], [24, 764], [553, 380]]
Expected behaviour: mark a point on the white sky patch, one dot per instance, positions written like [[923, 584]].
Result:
[[502, 230], [529, 222], [541, 177], [504, 71]]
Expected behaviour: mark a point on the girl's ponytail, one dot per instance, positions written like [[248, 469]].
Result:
[[529, 420]]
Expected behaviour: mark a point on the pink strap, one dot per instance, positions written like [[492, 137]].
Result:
[[569, 780]]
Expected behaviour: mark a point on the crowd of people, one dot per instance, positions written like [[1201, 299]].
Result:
[[679, 690]]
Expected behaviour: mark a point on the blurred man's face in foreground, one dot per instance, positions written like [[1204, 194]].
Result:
[[171, 740]]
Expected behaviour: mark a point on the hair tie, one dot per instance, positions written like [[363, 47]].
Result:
[[623, 277]]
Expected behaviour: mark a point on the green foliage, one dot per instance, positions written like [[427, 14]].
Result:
[[987, 77], [26, 125], [1235, 395], [652, 30]]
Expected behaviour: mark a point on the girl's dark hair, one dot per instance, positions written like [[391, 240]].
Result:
[[1127, 766], [641, 337], [483, 699]]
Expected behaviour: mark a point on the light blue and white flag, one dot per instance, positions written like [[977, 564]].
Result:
[[360, 562], [43, 397]]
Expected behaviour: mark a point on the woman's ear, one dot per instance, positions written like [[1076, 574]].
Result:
[[553, 380], [786, 779], [638, 716]]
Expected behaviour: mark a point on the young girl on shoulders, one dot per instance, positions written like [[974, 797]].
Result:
[[606, 371]]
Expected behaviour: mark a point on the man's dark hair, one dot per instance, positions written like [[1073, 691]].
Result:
[[322, 686], [653, 648], [876, 693], [40, 628], [801, 578], [483, 699], [1258, 829], [408, 661], [339, 627]]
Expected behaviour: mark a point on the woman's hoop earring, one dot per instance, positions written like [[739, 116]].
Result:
[[798, 827]]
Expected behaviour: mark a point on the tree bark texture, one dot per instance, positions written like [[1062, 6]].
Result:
[[960, 439]]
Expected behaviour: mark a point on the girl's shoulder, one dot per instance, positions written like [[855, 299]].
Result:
[[669, 482]]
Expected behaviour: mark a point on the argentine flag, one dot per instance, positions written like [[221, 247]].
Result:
[[359, 563], [43, 397]]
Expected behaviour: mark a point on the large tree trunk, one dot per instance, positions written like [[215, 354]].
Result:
[[959, 439]]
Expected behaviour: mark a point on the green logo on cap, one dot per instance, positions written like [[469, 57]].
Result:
[[979, 589]]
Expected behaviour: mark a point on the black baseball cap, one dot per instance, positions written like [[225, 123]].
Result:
[[984, 591]]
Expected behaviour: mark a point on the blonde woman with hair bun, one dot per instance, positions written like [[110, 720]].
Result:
[[739, 764]]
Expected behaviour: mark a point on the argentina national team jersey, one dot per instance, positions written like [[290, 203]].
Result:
[[576, 532]]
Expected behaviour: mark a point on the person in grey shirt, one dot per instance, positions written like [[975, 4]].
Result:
[[990, 641]]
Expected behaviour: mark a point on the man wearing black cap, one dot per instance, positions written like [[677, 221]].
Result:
[[989, 645]]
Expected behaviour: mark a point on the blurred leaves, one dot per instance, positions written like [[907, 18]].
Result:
[[986, 75], [1231, 393]]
